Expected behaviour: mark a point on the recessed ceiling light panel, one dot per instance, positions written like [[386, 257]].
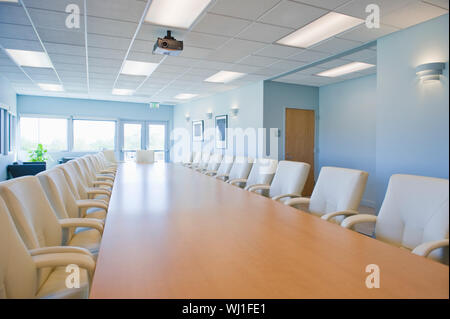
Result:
[[224, 77], [345, 69], [323, 28], [34, 59], [185, 96], [138, 68], [175, 13], [122, 92], [51, 87]]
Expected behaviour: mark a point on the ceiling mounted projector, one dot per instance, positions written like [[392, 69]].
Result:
[[168, 45]]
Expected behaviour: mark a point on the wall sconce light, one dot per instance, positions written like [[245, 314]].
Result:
[[234, 111], [430, 71], [209, 114], [187, 117]]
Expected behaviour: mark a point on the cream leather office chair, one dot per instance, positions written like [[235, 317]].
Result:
[[99, 168], [145, 156], [37, 222], [196, 159], [240, 170], [110, 157], [187, 161], [414, 216], [213, 163], [79, 188], [85, 175], [337, 193], [224, 169], [203, 164], [261, 173], [39, 273], [288, 182], [105, 163], [64, 202]]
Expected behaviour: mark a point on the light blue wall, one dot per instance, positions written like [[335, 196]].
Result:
[[248, 99], [279, 96], [121, 111], [412, 117], [7, 98], [347, 135]]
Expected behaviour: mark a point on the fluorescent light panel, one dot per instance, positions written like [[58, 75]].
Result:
[[175, 13], [122, 92], [9, 1], [323, 28], [34, 59], [224, 77], [51, 87], [185, 96], [138, 68], [345, 69]]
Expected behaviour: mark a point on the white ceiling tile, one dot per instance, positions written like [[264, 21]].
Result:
[[326, 4], [168, 68], [203, 40], [413, 14], [312, 70], [107, 42], [143, 56], [102, 69], [52, 19], [220, 25], [361, 55], [111, 27], [63, 58], [245, 9], [13, 14], [310, 56], [335, 45], [125, 10], [264, 32], [241, 68], [113, 63], [357, 8], [278, 51], [440, 3], [234, 50], [194, 52], [53, 5], [102, 52], [292, 14], [363, 34], [260, 61], [15, 31], [20, 44], [73, 37], [59, 48]]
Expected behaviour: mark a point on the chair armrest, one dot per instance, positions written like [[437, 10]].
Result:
[[98, 191], [59, 250], [210, 173], [222, 176], [107, 171], [351, 221], [83, 203], [107, 183], [65, 259], [237, 181], [256, 187], [101, 177], [341, 213], [278, 197], [297, 201], [426, 248], [82, 222]]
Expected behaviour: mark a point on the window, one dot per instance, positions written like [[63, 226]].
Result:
[[132, 137], [93, 135], [157, 140], [50, 132]]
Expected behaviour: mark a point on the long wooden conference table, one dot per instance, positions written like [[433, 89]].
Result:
[[175, 233]]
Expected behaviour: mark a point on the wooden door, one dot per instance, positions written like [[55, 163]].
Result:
[[299, 141]]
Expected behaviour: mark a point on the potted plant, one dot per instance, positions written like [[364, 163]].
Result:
[[39, 154]]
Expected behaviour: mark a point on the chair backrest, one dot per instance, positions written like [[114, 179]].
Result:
[[32, 213], [225, 165], [80, 166], [414, 210], [18, 274], [76, 184], [214, 162], [197, 158], [262, 172], [145, 156], [241, 167], [337, 189], [110, 156], [204, 160], [58, 193], [289, 178]]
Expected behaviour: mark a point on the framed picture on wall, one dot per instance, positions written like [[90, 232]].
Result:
[[221, 131], [197, 131]]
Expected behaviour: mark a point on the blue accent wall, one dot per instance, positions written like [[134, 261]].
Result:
[[412, 116], [8, 99], [347, 135]]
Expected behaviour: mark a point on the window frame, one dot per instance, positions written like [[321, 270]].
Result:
[[45, 116], [92, 119]]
